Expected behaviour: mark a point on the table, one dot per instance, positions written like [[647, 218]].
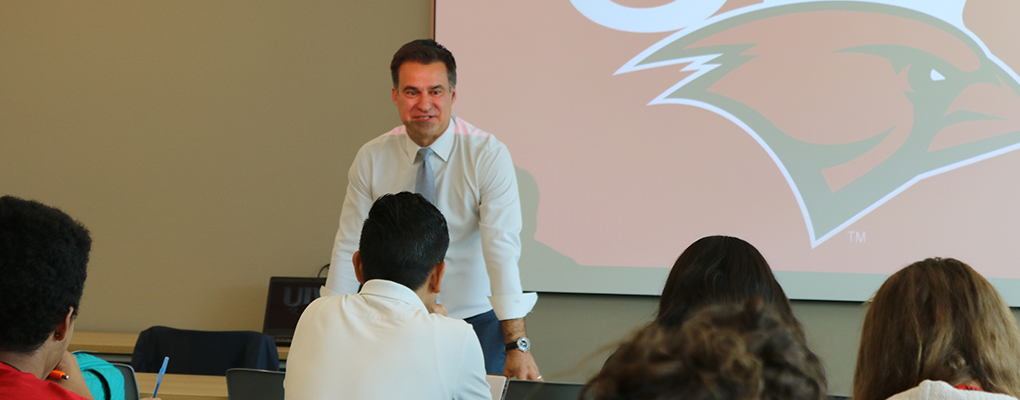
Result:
[[206, 387], [183, 387], [121, 343]]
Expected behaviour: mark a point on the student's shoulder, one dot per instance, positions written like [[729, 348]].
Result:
[[450, 326], [332, 303], [929, 389], [19, 385]]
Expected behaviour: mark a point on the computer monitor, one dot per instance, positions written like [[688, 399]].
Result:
[[288, 297]]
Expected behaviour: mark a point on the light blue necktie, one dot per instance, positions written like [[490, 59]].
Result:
[[425, 183]]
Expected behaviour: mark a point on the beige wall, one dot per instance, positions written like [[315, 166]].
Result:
[[206, 144]]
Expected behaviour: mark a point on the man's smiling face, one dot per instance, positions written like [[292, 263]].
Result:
[[424, 98]]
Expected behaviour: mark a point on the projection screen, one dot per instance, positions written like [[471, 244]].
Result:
[[844, 139]]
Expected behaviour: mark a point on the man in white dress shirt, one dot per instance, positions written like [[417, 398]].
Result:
[[385, 342], [472, 182]]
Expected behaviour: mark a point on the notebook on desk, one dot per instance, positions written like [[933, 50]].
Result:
[[497, 386], [288, 297]]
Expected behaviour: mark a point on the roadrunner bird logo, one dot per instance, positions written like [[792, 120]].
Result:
[[855, 101]]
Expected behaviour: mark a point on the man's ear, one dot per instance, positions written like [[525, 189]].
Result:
[[358, 273], [394, 95], [436, 277], [64, 327], [453, 94]]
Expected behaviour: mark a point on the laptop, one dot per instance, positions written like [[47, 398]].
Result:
[[288, 297]]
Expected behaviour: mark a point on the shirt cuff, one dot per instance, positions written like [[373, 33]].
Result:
[[513, 306]]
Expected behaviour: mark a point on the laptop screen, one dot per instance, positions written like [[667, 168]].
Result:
[[287, 299]]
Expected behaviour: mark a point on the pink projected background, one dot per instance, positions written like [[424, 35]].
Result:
[[835, 138]]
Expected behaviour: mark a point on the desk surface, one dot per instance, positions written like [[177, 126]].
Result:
[[184, 387], [205, 387], [120, 343]]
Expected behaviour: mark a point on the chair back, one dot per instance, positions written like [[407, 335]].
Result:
[[203, 352], [534, 390], [130, 382], [254, 384]]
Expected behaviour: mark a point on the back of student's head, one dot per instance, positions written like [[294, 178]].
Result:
[[723, 352], [937, 319], [718, 269], [403, 239], [43, 257]]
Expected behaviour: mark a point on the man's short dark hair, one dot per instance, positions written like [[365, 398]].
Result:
[[43, 257], [424, 51], [403, 239]]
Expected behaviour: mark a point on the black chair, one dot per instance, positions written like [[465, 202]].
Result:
[[203, 352], [254, 384], [130, 383], [534, 390]]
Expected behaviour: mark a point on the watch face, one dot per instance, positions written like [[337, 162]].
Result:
[[524, 344]]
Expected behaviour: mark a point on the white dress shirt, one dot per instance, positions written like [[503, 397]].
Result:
[[476, 190], [382, 344], [939, 390]]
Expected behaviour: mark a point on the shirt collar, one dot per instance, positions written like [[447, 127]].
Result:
[[392, 290], [443, 145]]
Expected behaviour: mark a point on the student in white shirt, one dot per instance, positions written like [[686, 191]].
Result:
[[389, 341], [475, 188]]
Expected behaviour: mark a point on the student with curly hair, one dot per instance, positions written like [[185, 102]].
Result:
[[938, 329], [43, 257], [723, 352]]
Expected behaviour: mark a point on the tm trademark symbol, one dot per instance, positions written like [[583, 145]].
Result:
[[858, 236]]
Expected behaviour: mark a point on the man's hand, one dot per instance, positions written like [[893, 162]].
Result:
[[519, 364], [439, 309], [75, 382], [522, 366]]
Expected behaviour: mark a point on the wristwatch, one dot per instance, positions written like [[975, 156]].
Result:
[[522, 344]]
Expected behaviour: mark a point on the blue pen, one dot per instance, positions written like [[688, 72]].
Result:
[[159, 378]]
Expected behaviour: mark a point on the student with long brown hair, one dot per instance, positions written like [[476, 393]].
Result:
[[719, 269], [935, 329]]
